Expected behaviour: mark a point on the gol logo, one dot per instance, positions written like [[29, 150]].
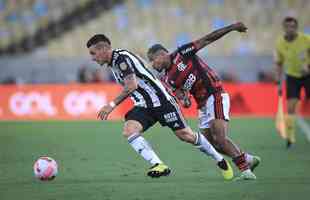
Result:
[[32, 103], [88, 102]]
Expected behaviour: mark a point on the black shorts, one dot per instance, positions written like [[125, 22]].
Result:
[[294, 86], [168, 114]]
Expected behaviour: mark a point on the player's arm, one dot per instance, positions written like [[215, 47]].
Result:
[[183, 97], [190, 49], [217, 34], [130, 85]]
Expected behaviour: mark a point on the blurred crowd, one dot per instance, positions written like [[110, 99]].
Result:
[[89, 75], [61, 27]]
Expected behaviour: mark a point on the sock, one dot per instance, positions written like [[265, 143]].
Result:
[[142, 147], [248, 158], [204, 146], [290, 128], [241, 163]]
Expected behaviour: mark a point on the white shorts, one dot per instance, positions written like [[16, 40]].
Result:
[[217, 107]]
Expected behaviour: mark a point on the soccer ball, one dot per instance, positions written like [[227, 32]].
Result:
[[45, 169]]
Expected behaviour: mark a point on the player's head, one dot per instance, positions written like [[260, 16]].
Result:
[[99, 47], [290, 26], [158, 55]]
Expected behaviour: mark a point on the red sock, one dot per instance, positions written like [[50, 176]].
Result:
[[241, 163]]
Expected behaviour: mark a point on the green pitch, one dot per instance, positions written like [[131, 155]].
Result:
[[95, 162]]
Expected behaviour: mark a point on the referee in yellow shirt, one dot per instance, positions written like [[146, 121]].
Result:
[[293, 58]]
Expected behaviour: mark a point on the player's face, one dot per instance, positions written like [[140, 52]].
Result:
[[160, 60], [99, 54], [290, 28]]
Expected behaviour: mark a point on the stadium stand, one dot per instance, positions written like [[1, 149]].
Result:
[[60, 28], [175, 22], [26, 24], [148, 22]]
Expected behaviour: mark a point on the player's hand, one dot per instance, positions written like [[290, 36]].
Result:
[[184, 98], [186, 102], [104, 112], [240, 27]]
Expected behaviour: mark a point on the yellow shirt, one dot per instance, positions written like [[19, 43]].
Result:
[[293, 54]]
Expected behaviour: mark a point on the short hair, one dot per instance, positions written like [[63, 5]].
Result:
[[290, 19], [156, 47], [98, 38]]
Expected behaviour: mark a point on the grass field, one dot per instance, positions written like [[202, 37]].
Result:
[[95, 162]]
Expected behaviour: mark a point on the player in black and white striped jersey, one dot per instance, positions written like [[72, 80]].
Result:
[[150, 91], [152, 104]]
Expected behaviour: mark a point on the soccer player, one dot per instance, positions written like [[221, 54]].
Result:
[[152, 104], [293, 58], [186, 74]]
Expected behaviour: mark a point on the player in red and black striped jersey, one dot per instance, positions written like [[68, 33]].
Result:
[[187, 74]]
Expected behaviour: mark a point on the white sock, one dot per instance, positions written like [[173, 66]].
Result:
[[247, 171], [204, 146], [142, 147], [248, 158]]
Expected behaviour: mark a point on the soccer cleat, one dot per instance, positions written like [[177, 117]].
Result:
[[255, 162], [158, 170], [226, 169], [246, 175]]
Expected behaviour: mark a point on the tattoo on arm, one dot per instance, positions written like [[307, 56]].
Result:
[[211, 37], [130, 85]]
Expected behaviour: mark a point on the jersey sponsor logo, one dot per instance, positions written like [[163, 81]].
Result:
[[181, 66], [78, 103], [187, 50], [32, 103], [170, 117], [189, 82]]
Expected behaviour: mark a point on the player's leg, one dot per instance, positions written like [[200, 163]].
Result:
[[203, 145], [208, 113], [253, 160], [293, 88], [138, 121], [172, 117], [306, 85], [214, 117]]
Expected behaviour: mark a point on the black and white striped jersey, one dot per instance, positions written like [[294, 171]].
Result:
[[150, 92]]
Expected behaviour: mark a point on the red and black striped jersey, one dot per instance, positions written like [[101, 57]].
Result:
[[190, 73]]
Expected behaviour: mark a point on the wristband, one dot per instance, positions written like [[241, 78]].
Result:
[[112, 104]]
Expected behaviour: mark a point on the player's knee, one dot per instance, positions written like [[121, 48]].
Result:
[[207, 133], [131, 127], [186, 135]]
